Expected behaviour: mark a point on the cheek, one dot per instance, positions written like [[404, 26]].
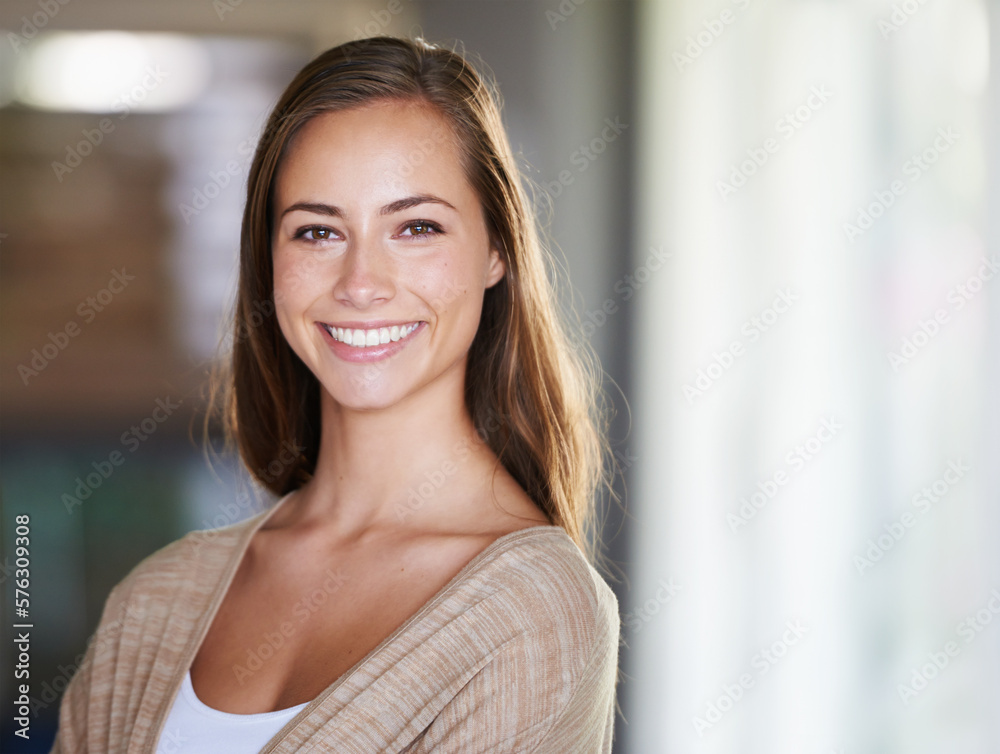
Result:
[[288, 275], [293, 280], [282, 314], [447, 286], [457, 301], [447, 295], [297, 278]]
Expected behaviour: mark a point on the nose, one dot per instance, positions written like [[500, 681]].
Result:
[[366, 275]]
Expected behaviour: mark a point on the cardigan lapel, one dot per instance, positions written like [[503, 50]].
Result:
[[202, 578], [413, 673]]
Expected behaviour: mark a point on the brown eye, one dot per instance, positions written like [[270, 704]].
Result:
[[314, 233], [422, 228]]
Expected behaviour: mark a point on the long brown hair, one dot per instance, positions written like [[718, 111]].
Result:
[[532, 391]]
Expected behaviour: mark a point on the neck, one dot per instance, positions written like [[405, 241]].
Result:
[[418, 464]]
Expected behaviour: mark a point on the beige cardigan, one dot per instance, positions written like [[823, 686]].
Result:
[[517, 653]]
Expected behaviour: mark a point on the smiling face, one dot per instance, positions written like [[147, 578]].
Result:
[[377, 230]]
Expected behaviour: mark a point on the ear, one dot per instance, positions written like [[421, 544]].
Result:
[[497, 269]]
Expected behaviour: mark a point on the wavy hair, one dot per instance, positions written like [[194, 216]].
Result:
[[532, 391]]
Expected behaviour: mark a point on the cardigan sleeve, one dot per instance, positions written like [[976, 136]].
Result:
[[549, 689], [89, 720], [71, 733]]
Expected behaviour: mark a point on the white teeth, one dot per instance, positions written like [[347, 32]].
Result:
[[378, 336]]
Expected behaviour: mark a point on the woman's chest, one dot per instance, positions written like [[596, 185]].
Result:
[[282, 635]]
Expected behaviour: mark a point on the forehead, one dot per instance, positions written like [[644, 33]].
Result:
[[371, 151]]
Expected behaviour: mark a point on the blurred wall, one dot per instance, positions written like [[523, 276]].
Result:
[[816, 563]]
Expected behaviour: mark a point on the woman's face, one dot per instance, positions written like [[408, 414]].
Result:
[[377, 232]]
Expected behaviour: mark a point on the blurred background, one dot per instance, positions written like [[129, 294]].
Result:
[[781, 222]]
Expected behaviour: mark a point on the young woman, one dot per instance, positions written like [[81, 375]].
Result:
[[401, 379]]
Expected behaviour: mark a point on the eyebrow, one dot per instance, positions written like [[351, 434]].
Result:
[[399, 205]]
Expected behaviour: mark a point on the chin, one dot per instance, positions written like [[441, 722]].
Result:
[[362, 397]]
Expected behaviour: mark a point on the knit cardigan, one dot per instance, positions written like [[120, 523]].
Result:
[[517, 653]]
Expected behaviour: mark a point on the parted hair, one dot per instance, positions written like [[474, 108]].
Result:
[[532, 387]]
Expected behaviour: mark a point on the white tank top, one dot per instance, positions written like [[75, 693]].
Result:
[[193, 727]]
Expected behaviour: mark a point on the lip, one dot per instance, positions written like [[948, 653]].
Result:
[[369, 353], [371, 325]]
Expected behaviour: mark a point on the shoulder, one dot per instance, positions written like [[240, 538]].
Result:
[[538, 628], [540, 580]]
